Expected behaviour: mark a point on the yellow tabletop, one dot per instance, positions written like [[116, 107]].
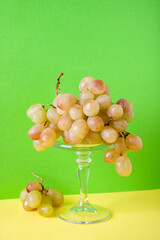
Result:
[[135, 215]]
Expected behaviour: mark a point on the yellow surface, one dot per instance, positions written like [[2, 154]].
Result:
[[135, 215]]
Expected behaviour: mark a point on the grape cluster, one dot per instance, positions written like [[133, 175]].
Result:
[[90, 118], [35, 196]]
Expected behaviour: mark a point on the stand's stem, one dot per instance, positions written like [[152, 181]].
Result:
[[83, 174]]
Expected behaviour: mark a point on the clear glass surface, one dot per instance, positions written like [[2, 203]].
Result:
[[83, 212]]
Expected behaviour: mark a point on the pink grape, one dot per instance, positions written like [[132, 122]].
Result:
[[72, 139], [65, 136], [123, 166], [64, 123], [33, 185], [134, 142], [104, 116], [119, 125], [126, 105], [120, 145], [129, 117], [95, 123], [62, 112], [35, 132], [56, 129], [110, 156], [48, 137], [56, 197], [97, 87], [66, 101]]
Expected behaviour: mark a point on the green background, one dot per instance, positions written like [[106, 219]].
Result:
[[116, 41]]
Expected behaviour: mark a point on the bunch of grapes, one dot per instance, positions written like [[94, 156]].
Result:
[[35, 196], [90, 118]]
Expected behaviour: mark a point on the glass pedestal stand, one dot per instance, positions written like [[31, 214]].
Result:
[[83, 212]]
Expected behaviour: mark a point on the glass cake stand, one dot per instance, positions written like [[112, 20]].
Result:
[[83, 212]]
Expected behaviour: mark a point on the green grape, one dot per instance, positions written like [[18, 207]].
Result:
[[45, 210], [109, 134], [56, 196], [26, 206], [23, 195], [76, 112], [34, 198], [85, 96], [80, 128], [91, 108], [119, 125], [93, 138], [72, 139], [37, 144], [115, 111], [39, 116], [104, 101], [84, 83], [46, 199], [52, 115], [33, 109]]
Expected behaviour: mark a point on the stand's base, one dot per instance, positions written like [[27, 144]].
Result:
[[84, 214]]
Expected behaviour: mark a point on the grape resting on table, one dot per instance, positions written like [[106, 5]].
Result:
[[90, 118]]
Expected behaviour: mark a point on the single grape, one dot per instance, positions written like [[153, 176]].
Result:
[[84, 83], [66, 101], [104, 116], [110, 156], [34, 198], [23, 195], [104, 101], [85, 96], [120, 145], [33, 109], [39, 116], [26, 206], [97, 87], [126, 105], [65, 136], [61, 112], [128, 116], [115, 111], [91, 108], [35, 132], [134, 142], [95, 123], [46, 199], [48, 137], [64, 123], [33, 185], [109, 134], [93, 138], [123, 166], [76, 112], [45, 210], [55, 100], [56, 129], [56, 196], [72, 139], [52, 115], [80, 128], [37, 144], [119, 125]]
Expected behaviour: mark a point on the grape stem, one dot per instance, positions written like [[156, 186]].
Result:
[[58, 83], [48, 105], [38, 177]]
